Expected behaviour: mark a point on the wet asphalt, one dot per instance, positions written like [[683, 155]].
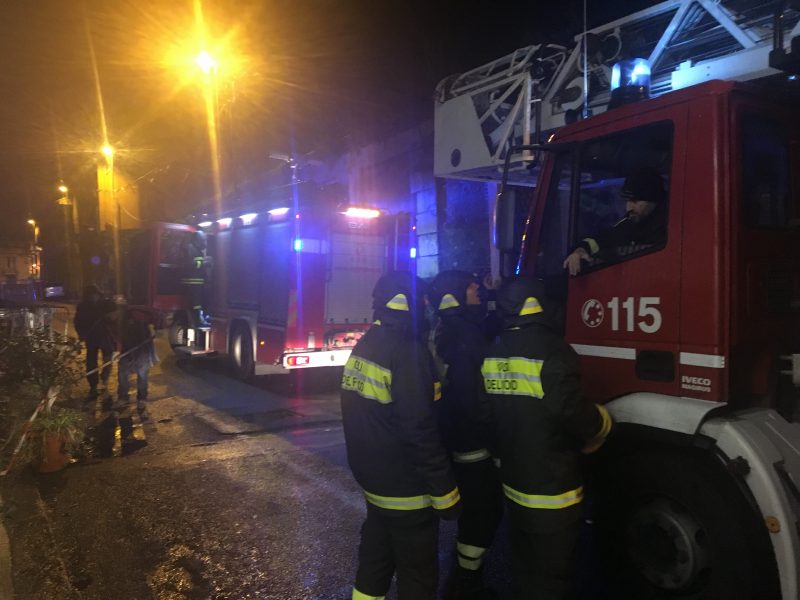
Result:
[[226, 490]]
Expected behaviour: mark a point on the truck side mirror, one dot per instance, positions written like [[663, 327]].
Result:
[[504, 210]]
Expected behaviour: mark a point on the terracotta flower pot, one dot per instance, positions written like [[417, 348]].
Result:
[[54, 458]]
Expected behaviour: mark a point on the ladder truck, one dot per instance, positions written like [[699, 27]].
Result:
[[693, 343]]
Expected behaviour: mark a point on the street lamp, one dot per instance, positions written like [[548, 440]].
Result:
[[206, 62], [35, 268], [108, 152]]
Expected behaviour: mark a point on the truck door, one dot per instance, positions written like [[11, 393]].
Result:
[[622, 310], [765, 315]]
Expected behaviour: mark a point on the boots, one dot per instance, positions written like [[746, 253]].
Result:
[[463, 584]]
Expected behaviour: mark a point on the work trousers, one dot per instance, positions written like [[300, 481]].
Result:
[[482, 506], [543, 551], [91, 364], [405, 543], [126, 368]]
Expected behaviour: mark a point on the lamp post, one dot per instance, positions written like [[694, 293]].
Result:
[[35, 269], [108, 153]]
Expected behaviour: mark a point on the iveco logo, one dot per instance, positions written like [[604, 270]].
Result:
[[592, 312], [695, 380]]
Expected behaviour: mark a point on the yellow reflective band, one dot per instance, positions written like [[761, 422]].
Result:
[[198, 261], [594, 248], [469, 557], [607, 421], [367, 379], [399, 302], [515, 376], [547, 502], [362, 596], [448, 301], [413, 502], [192, 280], [471, 457], [531, 307], [446, 501], [437, 390]]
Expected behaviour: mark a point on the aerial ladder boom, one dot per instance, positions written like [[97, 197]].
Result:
[[534, 90]]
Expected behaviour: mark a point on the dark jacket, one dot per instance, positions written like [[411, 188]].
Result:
[[136, 340], [461, 344], [531, 379], [93, 322], [627, 237], [393, 444]]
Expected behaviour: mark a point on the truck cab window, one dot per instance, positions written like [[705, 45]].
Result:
[[623, 193], [766, 196]]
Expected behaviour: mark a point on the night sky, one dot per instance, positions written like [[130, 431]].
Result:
[[310, 77]]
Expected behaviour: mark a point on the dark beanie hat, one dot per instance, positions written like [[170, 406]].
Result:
[[644, 184]]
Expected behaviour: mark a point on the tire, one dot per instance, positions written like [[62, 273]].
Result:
[[177, 332], [673, 524], [241, 353]]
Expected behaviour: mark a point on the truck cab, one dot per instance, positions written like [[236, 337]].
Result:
[[688, 339]]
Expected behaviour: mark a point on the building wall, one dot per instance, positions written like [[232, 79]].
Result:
[[16, 264]]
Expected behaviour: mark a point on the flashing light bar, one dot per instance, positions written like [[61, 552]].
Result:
[[633, 72], [298, 245], [248, 218], [225, 223], [412, 252], [298, 361], [205, 224], [361, 213], [278, 213]]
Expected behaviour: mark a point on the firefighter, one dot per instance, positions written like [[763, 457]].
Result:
[[460, 345], [394, 447], [195, 274], [644, 224], [542, 425]]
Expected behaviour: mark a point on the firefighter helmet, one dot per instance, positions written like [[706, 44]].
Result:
[[448, 290], [521, 300], [401, 292]]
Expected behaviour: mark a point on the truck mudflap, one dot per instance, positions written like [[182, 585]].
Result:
[[770, 445], [315, 358]]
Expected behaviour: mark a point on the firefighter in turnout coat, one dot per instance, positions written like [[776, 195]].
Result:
[[460, 344], [543, 424], [394, 447]]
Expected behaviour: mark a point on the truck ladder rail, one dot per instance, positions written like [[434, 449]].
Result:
[[481, 113]]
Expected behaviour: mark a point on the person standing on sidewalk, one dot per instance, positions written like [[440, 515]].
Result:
[[138, 355], [460, 343], [93, 324], [542, 424], [394, 446]]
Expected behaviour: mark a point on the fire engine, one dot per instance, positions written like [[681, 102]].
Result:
[[289, 289], [692, 343]]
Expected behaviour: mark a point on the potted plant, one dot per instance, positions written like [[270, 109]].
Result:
[[41, 366]]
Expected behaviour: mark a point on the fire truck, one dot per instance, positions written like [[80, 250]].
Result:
[[288, 290], [693, 342]]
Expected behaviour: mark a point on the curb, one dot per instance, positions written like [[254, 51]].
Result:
[[6, 581]]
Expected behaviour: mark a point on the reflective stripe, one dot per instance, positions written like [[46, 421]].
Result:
[[530, 307], [448, 301], [471, 457], [607, 421], [437, 390], [399, 302], [469, 557], [515, 376], [446, 501], [362, 596], [540, 501], [414, 502], [367, 379], [198, 261], [192, 280], [594, 248]]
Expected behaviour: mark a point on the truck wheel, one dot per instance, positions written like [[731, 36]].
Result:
[[177, 333], [241, 353], [673, 524]]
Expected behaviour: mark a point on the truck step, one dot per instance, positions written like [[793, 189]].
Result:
[[188, 350]]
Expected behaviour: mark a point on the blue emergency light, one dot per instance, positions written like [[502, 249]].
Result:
[[630, 82], [412, 252], [298, 245]]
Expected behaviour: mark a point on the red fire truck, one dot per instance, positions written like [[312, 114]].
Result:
[[292, 290], [692, 342]]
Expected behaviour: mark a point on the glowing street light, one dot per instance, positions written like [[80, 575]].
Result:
[[206, 62], [63, 189], [107, 151]]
